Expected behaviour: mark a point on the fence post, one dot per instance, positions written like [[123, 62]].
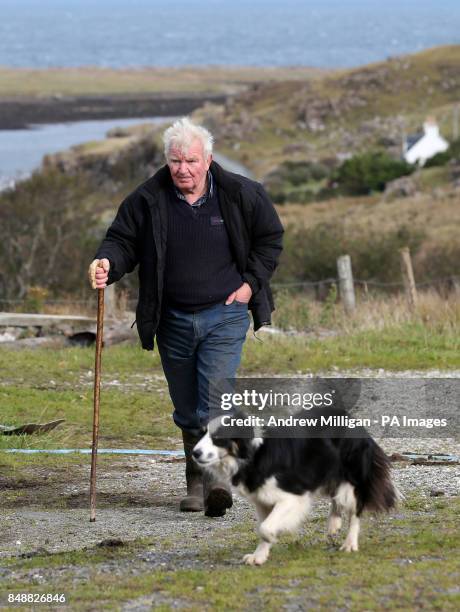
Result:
[[110, 301], [346, 287], [408, 277], [456, 286], [366, 289]]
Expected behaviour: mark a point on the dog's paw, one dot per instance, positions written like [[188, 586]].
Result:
[[254, 559], [249, 559], [349, 546]]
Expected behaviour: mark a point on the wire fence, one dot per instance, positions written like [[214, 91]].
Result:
[[446, 280], [129, 303]]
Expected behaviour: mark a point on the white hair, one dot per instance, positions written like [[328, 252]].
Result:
[[183, 132]]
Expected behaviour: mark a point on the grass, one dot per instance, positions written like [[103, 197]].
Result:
[[411, 347], [136, 419], [103, 147], [40, 385], [406, 561], [438, 217], [434, 313], [102, 81]]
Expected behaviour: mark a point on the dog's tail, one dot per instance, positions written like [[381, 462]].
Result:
[[378, 493], [371, 470]]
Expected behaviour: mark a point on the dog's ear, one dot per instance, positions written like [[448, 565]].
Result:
[[203, 431]]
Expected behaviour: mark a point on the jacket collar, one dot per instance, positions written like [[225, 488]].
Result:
[[162, 180]]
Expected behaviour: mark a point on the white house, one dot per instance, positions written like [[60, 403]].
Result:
[[420, 147]]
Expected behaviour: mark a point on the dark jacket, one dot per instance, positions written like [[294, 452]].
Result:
[[139, 232]]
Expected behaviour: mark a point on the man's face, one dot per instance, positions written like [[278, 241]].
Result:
[[188, 171]]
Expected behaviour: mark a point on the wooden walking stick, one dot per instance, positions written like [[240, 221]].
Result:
[[97, 393]]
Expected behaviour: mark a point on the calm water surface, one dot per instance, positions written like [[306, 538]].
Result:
[[121, 33], [21, 151]]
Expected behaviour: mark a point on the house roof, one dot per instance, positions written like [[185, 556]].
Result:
[[412, 139]]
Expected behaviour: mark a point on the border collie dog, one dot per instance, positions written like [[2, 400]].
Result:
[[282, 476]]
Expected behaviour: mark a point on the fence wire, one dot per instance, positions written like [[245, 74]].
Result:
[[366, 283]]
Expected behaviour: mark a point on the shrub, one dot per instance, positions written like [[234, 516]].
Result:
[[439, 262], [289, 180], [367, 172], [299, 172], [311, 254], [46, 235]]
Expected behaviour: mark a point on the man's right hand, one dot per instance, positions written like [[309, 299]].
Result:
[[98, 273]]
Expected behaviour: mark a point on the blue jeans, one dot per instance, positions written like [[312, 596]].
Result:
[[196, 348]]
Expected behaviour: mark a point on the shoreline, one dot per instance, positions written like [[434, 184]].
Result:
[[54, 95], [22, 112]]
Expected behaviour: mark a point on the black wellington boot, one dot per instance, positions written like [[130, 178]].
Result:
[[217, 495], [193, 502]]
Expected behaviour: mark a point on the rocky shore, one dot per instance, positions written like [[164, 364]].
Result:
[[21, 112]]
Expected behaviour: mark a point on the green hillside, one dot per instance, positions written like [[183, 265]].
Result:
[[340, 112]]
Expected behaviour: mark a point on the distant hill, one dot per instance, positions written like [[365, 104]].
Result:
[[338, 113]]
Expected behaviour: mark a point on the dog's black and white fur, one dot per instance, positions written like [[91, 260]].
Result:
[[282, 476]]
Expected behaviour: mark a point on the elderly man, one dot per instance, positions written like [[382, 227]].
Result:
[[207, 242]]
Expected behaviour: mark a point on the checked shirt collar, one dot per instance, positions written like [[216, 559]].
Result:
[[201, 200]]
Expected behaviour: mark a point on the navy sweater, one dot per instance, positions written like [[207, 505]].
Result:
[[200, 268]]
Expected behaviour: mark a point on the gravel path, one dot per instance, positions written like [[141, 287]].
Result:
[[148, 493], [139, 498]]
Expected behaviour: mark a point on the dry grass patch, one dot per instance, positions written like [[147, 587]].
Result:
[[438, 216], [103, 81], [373, 312]]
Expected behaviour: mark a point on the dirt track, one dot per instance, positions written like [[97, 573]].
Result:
[[138, 497], [140, 538]]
